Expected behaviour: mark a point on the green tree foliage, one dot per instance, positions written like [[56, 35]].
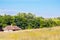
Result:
[[28, 21], [7, 19]]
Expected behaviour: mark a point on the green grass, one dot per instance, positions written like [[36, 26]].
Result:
[[33, 34]]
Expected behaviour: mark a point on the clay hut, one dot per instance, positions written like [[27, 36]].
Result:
[[11, 28]]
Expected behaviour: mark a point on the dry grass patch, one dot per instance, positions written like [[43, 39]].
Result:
[[33, 34]]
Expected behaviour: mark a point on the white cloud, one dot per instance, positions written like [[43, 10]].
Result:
[[6, 11]]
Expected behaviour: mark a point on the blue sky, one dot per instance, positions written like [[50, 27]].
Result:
[[44, 8]]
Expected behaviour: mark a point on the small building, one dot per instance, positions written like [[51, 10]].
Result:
[[11, 28]]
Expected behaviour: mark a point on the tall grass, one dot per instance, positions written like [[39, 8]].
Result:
[[33, 34]]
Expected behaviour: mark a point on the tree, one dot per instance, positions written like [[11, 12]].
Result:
[[7, 19]]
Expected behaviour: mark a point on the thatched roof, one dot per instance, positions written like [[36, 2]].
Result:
[[12, 28]]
